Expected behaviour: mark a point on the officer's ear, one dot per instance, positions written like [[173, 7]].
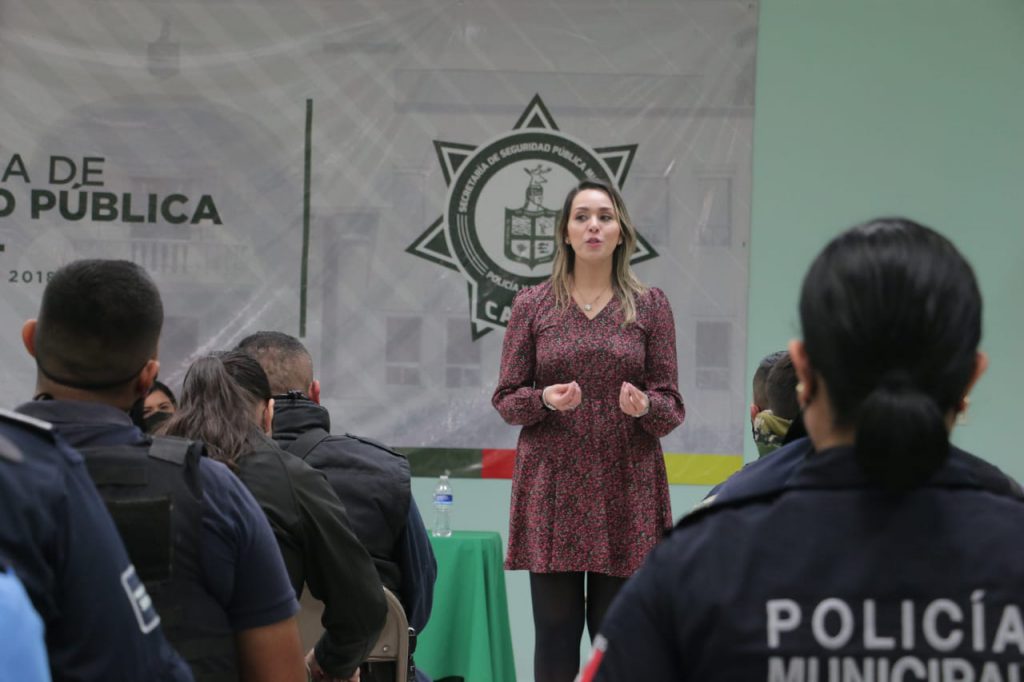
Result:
[[980, 365], [28, 336], [314, 391], [267, 420], [805, 374], [147, 376]]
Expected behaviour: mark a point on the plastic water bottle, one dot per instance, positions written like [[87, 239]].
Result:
[[442, 526]]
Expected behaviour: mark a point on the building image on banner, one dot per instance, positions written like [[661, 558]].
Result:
[[381, 179]]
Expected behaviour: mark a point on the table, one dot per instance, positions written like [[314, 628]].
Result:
[[468, 634]]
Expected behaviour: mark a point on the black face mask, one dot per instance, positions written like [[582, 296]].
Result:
[[153, 421]]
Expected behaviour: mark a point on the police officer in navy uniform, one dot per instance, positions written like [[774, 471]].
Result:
[[197, 537], [56, 536], [875, 550], [371, 479]]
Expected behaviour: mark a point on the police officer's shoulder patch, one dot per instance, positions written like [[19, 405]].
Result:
[[142, 603], [36, 425], [9, 451]]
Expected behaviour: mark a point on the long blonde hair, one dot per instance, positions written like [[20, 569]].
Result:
[[625, 284]]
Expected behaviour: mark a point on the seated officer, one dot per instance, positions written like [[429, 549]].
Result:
[[771, 425], [226, 403], [776, 423], [195, 534], [885, 553], [56, 535], [760, 394], [370, 479], [757, 384]]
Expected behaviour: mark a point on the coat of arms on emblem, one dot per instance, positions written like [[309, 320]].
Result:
[[467, 238], [530, 230]]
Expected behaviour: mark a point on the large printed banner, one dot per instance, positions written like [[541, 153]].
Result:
[[380, 178]]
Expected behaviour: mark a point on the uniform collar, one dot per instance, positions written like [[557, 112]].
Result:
[[835, 467], [86, 424], [60, 412], [295, 416], [838, 468], [798, 466]]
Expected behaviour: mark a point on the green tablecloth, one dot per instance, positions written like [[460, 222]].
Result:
[[468, 633]]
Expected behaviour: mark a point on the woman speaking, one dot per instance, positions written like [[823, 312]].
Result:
[[588, 368]]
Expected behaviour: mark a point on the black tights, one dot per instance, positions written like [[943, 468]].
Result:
[[559, 610]]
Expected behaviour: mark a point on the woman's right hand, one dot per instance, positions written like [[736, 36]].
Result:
[[563, 397]]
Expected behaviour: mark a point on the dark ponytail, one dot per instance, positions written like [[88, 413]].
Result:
[[901, 436], [217, 410], [891, 315]]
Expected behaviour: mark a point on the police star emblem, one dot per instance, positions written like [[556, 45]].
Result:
[[486, 182]]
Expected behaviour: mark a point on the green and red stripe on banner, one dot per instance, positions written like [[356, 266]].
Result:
[[682, 468]]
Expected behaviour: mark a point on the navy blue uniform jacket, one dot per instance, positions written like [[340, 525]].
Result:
[[799, 570], [56, 534]]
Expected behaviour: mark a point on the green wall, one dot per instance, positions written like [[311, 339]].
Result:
[[864, 108], [912, 107]]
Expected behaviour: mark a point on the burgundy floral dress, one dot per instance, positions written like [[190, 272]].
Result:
[[589, 490]]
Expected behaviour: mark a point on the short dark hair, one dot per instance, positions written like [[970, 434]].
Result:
[[780, 387], [99, 323], [761, 376], [161, 387], [891, 317], [285, 360]]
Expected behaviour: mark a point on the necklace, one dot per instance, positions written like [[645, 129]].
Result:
[[590, 306]]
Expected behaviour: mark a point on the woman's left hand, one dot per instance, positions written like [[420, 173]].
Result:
[[633, 401]]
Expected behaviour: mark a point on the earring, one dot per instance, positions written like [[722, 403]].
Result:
[[961, 414], [800, 389]]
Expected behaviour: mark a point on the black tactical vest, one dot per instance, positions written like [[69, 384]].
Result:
[[154, 494], [372, 481]]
